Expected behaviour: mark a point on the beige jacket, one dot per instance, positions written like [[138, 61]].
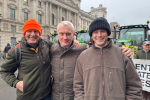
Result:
[[106, 74], [63, 65]]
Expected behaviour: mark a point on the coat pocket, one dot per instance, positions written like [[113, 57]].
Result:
[[116, 82]]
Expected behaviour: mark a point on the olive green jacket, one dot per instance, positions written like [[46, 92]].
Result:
[[141, 54], [34, 71]]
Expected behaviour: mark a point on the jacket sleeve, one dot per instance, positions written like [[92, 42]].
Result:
[[78, 86], [133, 82], [8, 69]]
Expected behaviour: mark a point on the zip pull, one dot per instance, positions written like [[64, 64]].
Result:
[[109, 74], [38, 57], [101, 51]]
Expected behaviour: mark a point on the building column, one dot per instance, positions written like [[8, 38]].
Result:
[[81, 23], [47, 17], [50, 14], [34, 9], [75, 21], [67, 16], [5, 10], [58, 15], [20, 12]]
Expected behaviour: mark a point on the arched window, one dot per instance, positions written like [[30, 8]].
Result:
[[52, 19], [62, 18]]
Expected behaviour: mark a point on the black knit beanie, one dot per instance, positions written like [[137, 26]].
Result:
[[99, 23]]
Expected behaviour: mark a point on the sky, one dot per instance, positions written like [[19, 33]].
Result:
[[125, 12]]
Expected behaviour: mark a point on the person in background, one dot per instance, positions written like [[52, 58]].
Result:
[[63, 60], [103, 72], [144, 54], [7, 47]]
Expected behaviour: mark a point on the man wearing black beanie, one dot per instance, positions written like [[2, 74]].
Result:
[[103, 72]]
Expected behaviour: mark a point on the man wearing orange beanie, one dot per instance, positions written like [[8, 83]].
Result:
[[34, 72]]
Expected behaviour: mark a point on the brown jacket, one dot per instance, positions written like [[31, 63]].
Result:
[[63, 65], [106, 74]]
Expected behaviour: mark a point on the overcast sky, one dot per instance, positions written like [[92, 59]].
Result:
[[125, 12]]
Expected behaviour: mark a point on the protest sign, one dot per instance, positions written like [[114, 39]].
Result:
[[143, 70]]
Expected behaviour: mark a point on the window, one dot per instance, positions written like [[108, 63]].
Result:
[[52, 19], [62, 18], [39, 3], [39, 18], [12, 14], [25, 16], [13, 28], [13, 41], [26, 2]]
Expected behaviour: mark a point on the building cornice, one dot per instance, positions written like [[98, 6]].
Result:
[[104, 10], [12, 21], [66, 5], [85, 14]]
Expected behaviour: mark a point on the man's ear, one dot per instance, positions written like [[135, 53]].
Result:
[[73, 33]]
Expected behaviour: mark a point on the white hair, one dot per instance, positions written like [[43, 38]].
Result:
[[66, 23]]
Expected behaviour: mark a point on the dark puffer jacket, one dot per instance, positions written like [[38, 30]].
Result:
[[34, 71], [7, 48]]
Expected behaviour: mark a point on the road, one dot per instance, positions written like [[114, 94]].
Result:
[[6, 92]]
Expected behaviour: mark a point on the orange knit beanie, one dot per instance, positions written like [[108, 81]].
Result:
[[31, 25]]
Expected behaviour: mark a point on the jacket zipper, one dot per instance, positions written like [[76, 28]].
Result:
[[41, 74], [102, 71], [146, 55]]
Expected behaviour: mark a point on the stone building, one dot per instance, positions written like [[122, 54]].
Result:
[[13, 14]]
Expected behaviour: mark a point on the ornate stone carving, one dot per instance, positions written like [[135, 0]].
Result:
[[12, 6], [71, 3], [54, 8], [26, 10], [40, 12]]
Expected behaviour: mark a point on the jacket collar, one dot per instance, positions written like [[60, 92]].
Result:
[[107, 46], [68, 47], [145, 51]]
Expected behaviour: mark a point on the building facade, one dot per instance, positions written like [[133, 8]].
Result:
[[13, 14]]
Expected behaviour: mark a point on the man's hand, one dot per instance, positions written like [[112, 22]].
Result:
[[127, 51], [19, 85], [76, 43]]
